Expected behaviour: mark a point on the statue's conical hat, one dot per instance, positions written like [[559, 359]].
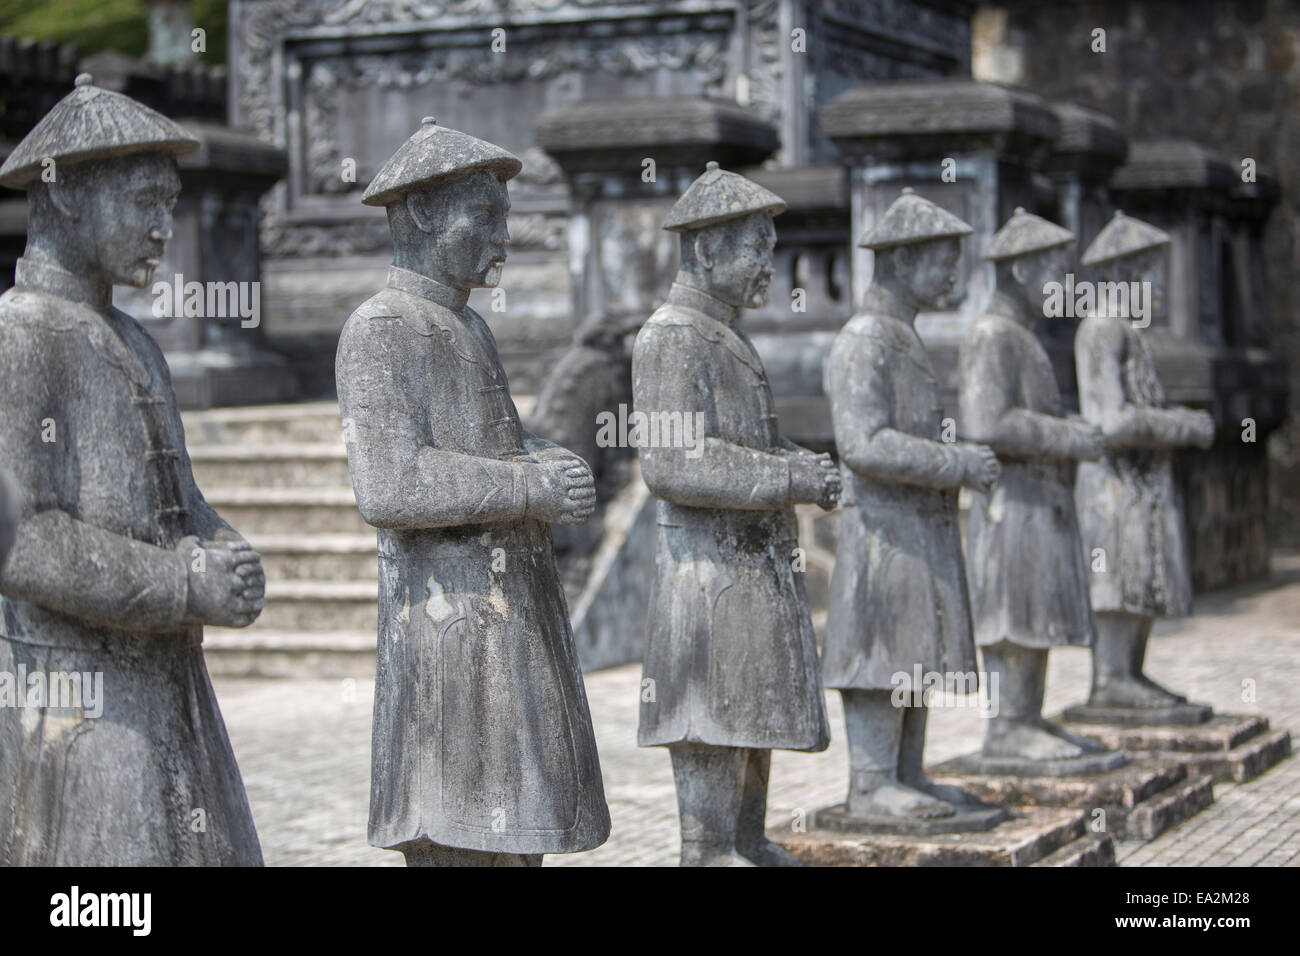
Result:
[[93, 123], [433, 154], [1123, 236], [1024, 233], [717, 196], [909, 219]]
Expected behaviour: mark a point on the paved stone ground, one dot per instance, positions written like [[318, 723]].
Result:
[[304, 748]]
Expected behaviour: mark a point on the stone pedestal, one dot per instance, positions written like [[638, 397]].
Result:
[[968, 820], [1227, 747], [1177, 715], [1138, 799], [1034, 836]]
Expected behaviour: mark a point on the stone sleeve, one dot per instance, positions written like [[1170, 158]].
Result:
[[400, 480], [59, 562], [1099, 359], [668, 376], [990, 411], [858, 372]]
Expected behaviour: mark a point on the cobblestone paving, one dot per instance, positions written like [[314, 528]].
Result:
[[304, 748]]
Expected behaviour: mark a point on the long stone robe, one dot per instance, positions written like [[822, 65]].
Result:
[[730, 647], [94, 584], [1127, 502], [898, 593], [482, 736], [1024, 560]]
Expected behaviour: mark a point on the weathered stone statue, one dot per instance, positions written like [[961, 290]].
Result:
[[112, 749], [898, 603], [730, 661], [483, 752], [1024, 558], [1126, 501]]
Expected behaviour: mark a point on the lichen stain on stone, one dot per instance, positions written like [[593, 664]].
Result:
[[997, 504], [437, 607]]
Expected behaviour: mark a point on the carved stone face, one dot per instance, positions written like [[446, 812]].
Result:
[[1149, 265], [737, 256], [121, 212], [930, 270], [466, 223], [1035, 270]]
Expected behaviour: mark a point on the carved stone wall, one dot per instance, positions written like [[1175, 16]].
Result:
[[339, 84]]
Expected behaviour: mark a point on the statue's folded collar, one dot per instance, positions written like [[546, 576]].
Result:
[[412, 283], [34, 276], [684, 294]]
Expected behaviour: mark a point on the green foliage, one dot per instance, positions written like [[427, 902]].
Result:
[[95, 25]]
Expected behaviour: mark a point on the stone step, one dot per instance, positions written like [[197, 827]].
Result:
[[261, 511], [1154, 816], [1229, 747], [283, 465], [317, 557], [1137, 800], [263, 652], [1094, 849], [321, 606], [264, 425], [1031, 836], [1244, 762]]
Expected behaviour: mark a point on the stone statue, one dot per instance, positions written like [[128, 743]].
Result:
[[1024, 559], [483, 752], [10, 494], [730, 666], [1126, 501], [118, 562], [898, 599]]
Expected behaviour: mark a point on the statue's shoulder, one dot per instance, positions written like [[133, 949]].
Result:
[[383, 305], [873, 331], [991, 329], [1101, 331], [28, 309]]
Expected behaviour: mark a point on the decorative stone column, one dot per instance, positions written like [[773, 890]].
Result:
[[626, 162], [1211, 344], [971, 147]]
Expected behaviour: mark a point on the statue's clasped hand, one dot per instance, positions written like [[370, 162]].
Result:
[[226, 583]]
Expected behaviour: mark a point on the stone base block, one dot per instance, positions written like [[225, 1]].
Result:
[[1034, 836], [1140, 799], [977, 763], [1180, 715], [1229, 747], [968, 820]]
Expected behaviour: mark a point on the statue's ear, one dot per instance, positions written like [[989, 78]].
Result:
[[420, 207], [1019, 270], [64, 197], [704, 249]]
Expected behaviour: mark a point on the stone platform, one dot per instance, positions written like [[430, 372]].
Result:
[[1184, 714], [1034, 836], [1141, 798], [1228, 747], [972, 819]]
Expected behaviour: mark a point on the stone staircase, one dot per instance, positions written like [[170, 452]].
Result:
[[279, 475]]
